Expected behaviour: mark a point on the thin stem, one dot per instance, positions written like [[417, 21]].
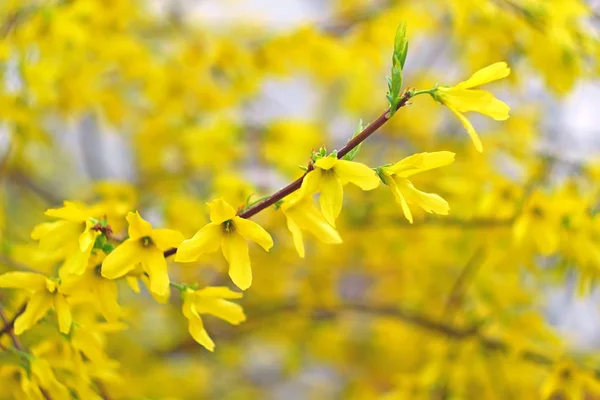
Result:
[[8, 325]]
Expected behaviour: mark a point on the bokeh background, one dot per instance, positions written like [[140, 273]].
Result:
[[162, 106]]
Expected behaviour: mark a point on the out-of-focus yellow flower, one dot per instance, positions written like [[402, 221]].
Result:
[[144, 247], [46, 294], [396, 177], [329, 176], [91, 286], [301, 215], [66, 235], [229, 232], [462, 98], [212, 301], [538, 224]]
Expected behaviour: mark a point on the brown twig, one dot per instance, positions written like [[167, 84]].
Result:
[[8, 325], [292, 187]]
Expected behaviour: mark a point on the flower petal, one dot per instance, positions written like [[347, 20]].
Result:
[[70, 212], [196, 329], [106, 299], [23, 280], [356, 173], [218, 291], [419, 163], [122, 259], [331, 198], [155, 265], [296, 235], [226, 310], [464, 100], [400, 199], [470, 129], [138, 227], [206, 240], [327, 163], [37, 307], [250, 230], [311, 183], [220, 211], [430, 202], [485, 75], [166, 238], [63, 313], [313, 221], [235, 250]]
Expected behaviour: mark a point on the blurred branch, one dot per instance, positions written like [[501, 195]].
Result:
[[23, 180], [8, 325]]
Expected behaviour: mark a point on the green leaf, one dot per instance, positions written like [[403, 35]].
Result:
[[351, 155], [100, 242], [398, 60]]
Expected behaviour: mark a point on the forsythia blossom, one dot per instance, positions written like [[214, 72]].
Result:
[[46, 294], [144, 247], [71, 234], [212, 301], [396, 177], [301, 215], [329, 176], [462, 98], [229, 232]]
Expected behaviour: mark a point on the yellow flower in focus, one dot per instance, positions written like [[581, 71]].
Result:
[[301, 215], [396, 177], [144, 247], [328, 177], [46, 294], [212, 301], [74, 234], [462, 98], [229, 232]]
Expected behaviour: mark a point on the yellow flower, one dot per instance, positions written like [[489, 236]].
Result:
[[93, 287], [46, 294], [73, 234], [301, 215], [229, 232], [328, 177], [462, 98], [539, 224], [396, 177], [144, 247], [210, 300]]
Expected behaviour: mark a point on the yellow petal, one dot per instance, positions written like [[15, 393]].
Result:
[[87, 239], [155, 265], [470, 130], [196, 329], [485, 75], [166, 238], [219, 291], [313, 221], [70, 212], [42, 372], [226, 310], [77, 262], [430, 202], [133, 283], [464, 100], [122, 259], [235, 250], [138, 227], [206, 240], [106, 299], [250, 230], [400, 199], [356, 173], [420, 162], [311, 183], [63, 313], [326, 162], [23, 280], [37, 307], [220, 211], [296, 235], [331, 198], [58, 234]]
